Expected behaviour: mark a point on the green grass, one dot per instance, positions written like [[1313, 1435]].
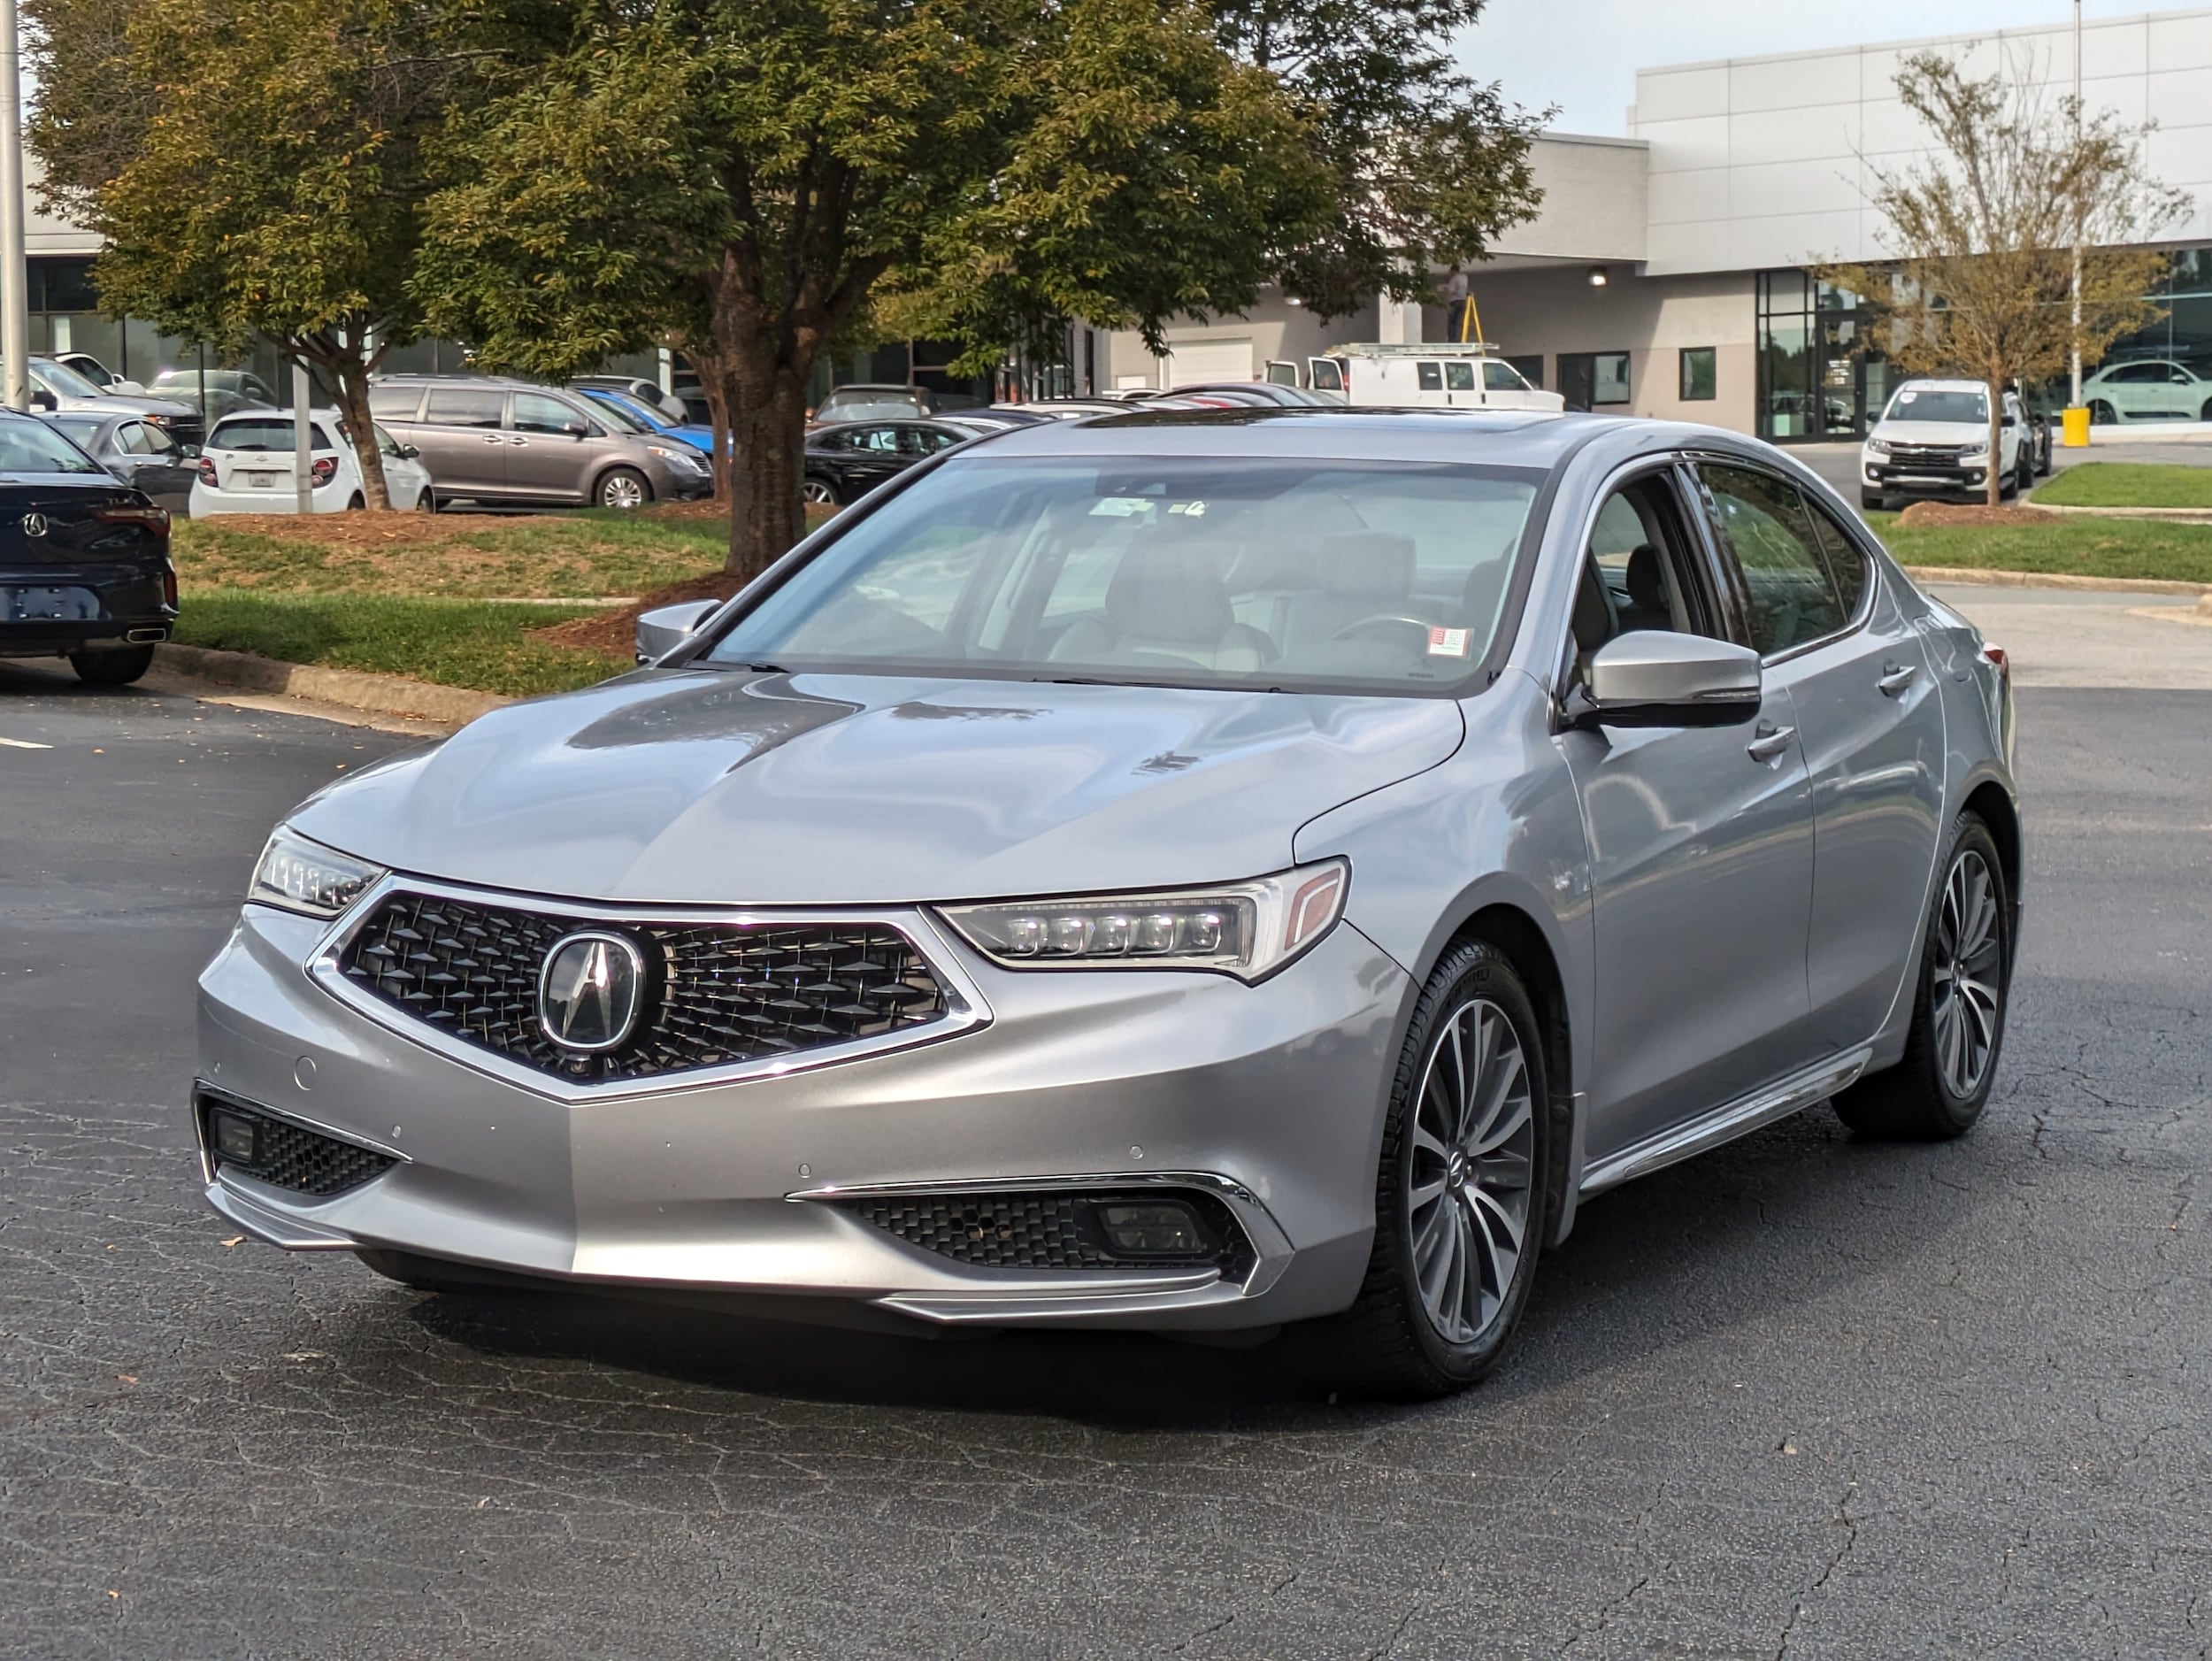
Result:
[[2075, 547], [453, 643], [583, 555], [2127, 484]]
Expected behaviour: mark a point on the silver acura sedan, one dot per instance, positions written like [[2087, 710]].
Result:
[[1200, 870]]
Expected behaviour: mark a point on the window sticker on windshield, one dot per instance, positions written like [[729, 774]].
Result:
[[1448, 643], [1120, 507], [1189, 509], [1907, 397]]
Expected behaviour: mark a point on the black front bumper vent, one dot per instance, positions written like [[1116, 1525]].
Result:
[[280, 1153], [1057, 1230], [714, 993]]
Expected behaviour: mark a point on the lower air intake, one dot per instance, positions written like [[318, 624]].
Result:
[[1055, 1230], [285, 1155]]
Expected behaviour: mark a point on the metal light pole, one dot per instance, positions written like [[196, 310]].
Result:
[[15, 297], [2076, 355]]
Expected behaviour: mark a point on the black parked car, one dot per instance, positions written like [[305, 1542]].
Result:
[[135, 451], [847, 460], [84, 558]]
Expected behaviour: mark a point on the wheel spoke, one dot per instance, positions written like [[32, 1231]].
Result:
[[1424, 1142], [1469, 1058], [1426, 1194], [1506, 1121]]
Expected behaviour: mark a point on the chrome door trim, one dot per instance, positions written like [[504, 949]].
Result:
[[1271, 1246], [966, 1009], [1725, 1123]]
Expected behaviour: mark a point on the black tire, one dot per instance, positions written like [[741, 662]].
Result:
[[819, 491], [2103, 414], [357, 503], [113, 668], [622, 487], [1873, 501], [1919, 1099], [2023, 474], [428, 502], [1388, 1343]]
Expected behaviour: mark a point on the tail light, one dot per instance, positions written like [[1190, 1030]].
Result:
[[169, 586], [155, 519], [1998, 659], [207, 472], [325, 470]]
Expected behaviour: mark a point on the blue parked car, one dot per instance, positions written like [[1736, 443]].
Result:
[[637, 416]]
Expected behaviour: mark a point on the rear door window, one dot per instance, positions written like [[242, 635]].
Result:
[[1431, 376], [1459, 377], [462, 406]]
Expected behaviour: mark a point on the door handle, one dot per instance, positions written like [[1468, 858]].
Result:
[[1768, 740], [493, 438], [1895, 678]]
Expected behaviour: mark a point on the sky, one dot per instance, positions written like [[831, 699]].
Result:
[[1583, 54]]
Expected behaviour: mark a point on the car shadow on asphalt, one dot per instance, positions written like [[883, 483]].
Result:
[[1688, 1251]]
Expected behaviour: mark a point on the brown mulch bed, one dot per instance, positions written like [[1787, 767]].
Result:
[[1972, 513], [615, 630], [342, 530]]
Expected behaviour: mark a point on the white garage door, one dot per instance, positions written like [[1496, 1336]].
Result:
[[1194, 362]]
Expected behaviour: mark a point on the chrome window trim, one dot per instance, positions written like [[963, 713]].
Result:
[[966, 1009]]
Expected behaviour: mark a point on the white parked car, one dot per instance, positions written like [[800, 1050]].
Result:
[[1431, 376], [1932, 440], [2149, 389], [246, 467]]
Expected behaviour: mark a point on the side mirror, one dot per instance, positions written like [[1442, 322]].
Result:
[[575, 429], [664, 628], [1652, 678], [190, 453], [42, 399], [407, 452]]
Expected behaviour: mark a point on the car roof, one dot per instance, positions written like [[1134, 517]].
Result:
[[1517, 438], [876, 386], [1941, 383]]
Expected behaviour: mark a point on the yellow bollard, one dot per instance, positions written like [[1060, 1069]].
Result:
[[2075, 422]]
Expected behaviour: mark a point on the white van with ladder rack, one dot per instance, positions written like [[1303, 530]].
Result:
[[1418, 375]]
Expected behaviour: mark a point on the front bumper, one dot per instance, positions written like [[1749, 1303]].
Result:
[[1923, 478], [1268, 1099]]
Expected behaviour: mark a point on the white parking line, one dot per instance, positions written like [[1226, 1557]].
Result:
[[23, 743]]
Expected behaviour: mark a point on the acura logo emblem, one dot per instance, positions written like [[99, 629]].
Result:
[[35, 525], [590, 990]]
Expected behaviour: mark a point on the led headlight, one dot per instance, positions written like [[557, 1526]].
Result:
[[1974, 452], [1878, 447], [1246, 929], [691, 460], [297, 875]]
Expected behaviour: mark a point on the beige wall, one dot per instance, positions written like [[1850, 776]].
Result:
[[1594, 199], [1275, 329], [1555, 310]]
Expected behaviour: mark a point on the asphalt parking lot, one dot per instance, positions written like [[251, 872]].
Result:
[[1806, 1397]]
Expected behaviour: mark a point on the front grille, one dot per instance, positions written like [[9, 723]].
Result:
[[289, 1156], [1051, 1230], [715, 993], [1924, 455]]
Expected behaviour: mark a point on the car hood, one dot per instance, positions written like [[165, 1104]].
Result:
[[711, 787], [1931, 431]]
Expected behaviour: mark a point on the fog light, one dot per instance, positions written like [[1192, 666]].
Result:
[[1153, 1228], [234, 1136]]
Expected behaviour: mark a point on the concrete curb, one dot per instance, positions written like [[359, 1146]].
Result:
[[2053, 580], [353, 689], [2177, 516], [2204, 606]]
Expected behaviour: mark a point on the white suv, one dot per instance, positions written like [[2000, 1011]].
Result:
[[246, 467], [1933, 440]]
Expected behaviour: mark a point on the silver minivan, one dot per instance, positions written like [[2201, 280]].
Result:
[[510, 443]]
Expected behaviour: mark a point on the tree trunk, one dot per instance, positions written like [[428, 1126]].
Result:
[[715, 386], [352, 376], [1996, 434], [767, 414]]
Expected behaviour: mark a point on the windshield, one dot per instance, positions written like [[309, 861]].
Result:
[[66, 382], [617, 413], [865, 407], [1923, 403], [1195, 571], [31, 446]]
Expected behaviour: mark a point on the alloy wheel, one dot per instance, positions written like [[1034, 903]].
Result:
[[622, 491], [1470, 1179], [816, 492], [1967, 970]]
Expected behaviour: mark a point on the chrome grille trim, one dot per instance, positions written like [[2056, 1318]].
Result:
[[965, 1010]]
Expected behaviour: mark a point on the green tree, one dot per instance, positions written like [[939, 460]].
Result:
[[1985, 230], [256, 167], [1427, 166], [757, 175]]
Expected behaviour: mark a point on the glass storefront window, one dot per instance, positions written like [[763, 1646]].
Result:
[[1700, 374]]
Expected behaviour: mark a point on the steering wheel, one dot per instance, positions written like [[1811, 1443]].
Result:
[[1394, 619]]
